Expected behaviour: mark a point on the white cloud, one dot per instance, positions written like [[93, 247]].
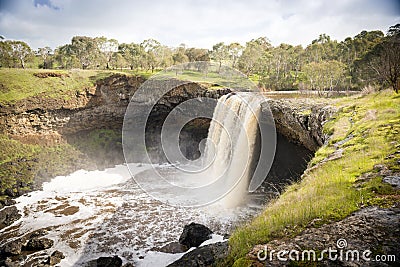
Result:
[[196, 23]]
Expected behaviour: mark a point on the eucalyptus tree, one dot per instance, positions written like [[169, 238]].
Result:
[[149, 60], [284, 67], [45, 54], [322, 49], [117, 61], [255, 57], [179, 55], [164, 56], [133, 54], [219, 53], [197, 54], [65, 57], [87, 50], [6, 59], [15, 53], [107, 47], [382, 63], [235, 50], [325, 75]]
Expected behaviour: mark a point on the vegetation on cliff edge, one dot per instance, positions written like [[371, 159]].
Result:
[[25, 166], [20, 84]]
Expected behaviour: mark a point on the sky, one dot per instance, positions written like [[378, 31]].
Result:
[[196, 23]]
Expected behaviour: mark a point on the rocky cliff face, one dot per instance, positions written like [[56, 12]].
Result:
[[102, 106], [300, 120]]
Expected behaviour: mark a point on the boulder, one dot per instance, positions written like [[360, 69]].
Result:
[[10, 192], [8, 215], [39, 244], [12, 248], [194, 234], [393, 181], [55, 258], [203, 256], [114, 261], [7, 202], [8, 262], [173, 247]]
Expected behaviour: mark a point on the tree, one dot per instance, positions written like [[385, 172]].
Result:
[[20, 52], [87, 51], [325, 75], [133, 54], [108, 47], [5, 54], [179, 55], [149, 61], [197, 54], [284, 66], [235, 50], [163, 56], [322, 49], [365, 41], [219, 53], [65, 57], [45, 53], [255, 57], [382, 63], [117, 60]]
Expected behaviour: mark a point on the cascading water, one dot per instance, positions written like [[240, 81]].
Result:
[[231, 144], [224, 172]]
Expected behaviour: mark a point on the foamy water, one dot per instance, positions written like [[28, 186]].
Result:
[[90, 214]]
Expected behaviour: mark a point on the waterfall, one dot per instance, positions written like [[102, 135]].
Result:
[[230, 145], [224, 172]]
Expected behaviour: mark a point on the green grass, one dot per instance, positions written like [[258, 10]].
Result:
[[33, 164], [19, 84], [329, 192], [212, 76], [99, 144], [143, 73]]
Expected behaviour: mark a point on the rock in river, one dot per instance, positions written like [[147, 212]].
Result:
[[194, 234]]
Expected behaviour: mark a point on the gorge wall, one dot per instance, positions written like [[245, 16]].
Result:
[[72, 120], [300, 120], [104, 105]]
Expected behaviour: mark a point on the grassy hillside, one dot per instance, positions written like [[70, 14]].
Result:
[[364, 133], [19, 84]]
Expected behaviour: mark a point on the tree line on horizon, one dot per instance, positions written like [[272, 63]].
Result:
[[369, 58]]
